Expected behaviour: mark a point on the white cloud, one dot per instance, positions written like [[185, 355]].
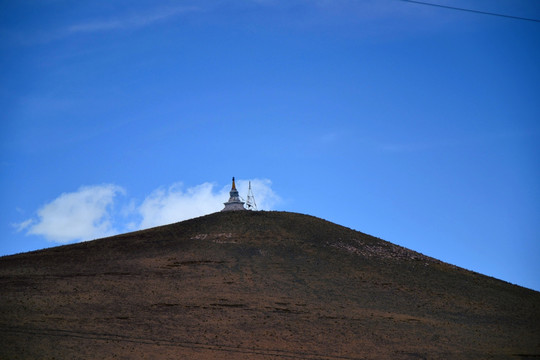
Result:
[[265, 197], [80, 215], [90, 213], [165, 206]]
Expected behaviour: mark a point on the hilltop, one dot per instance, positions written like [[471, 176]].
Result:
[[257, 285]]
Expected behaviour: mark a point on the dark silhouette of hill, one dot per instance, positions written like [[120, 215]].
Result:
[[256, 285]]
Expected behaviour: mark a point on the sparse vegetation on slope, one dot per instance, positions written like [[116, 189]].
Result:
[[257, 285]]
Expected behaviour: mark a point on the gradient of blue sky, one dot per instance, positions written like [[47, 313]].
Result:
[[416, 124]]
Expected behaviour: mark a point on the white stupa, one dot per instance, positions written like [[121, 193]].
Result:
[[234, 202]]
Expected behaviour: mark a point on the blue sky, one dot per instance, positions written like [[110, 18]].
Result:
[[416, 124]]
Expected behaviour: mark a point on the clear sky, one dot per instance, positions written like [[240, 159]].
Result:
[[416, 124]]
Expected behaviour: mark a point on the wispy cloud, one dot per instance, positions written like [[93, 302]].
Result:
[[23, 225], [405, 147], [467, 140], [129, 21], [118, 22], [92, 211]]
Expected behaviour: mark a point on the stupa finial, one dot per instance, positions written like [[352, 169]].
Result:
[[234, 203]]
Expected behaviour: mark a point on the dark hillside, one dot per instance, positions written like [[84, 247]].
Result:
[[257, 285]]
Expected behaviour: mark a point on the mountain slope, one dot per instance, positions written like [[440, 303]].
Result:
[[257, 285]]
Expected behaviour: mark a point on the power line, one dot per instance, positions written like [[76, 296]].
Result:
[[471, 10]]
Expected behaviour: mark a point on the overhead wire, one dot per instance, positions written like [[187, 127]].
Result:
[[471, 10]]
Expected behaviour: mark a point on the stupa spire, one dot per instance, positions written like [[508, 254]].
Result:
[[234, 203]]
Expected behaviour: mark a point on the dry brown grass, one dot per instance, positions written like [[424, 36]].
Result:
[[256, 285]]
